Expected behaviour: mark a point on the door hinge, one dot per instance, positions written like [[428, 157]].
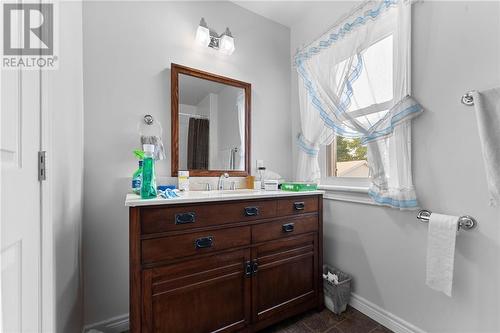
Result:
[[41, 166]]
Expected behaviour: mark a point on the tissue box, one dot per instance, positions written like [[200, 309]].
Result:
[[299, 187], [270, 185]]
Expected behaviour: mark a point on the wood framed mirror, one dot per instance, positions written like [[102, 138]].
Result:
[[210, 123]]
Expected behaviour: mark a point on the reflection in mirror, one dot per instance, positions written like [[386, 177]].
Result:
[[211, 125]]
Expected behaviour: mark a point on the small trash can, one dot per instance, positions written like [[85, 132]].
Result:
[[337, 295]]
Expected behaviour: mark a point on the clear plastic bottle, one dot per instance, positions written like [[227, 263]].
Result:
[[148, 186]]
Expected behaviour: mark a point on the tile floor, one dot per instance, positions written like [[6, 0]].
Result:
[[351, 321]]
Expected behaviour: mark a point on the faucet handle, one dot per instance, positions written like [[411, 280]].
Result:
[[208, 186]]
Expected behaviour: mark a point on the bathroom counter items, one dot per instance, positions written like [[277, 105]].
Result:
[[224, 262], [134, 200]]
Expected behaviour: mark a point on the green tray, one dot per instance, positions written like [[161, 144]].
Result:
[[299, 187]]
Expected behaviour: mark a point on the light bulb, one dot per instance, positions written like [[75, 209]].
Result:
[[226, 45], [203, 36]]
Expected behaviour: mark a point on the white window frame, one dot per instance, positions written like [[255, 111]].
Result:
[[352, 189]]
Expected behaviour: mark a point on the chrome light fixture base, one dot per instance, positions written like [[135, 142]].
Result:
[[205, 36], [214, 40]]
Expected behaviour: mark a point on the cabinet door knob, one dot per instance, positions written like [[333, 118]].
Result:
[[255, 267], [183, 218], [204, 242], [251, 211], [299, 205], [288, 227], [248, 268]]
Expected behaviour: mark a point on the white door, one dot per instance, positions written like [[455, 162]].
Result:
[[20, 196]]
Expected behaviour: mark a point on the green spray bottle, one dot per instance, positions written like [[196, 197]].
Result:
[[137, 176], [148, 186]]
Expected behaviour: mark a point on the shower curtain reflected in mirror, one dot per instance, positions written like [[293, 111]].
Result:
[[197, 155]]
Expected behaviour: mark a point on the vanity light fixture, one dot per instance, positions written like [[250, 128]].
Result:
[[206, 37]]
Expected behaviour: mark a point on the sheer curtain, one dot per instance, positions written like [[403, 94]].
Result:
[[240, 104], [355, 82]]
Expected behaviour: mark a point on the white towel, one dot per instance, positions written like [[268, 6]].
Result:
[[487, 105], [441, 252]]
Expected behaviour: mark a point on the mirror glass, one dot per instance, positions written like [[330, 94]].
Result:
[[211, 125]]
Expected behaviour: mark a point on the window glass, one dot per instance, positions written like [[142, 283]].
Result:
[[374, 85]]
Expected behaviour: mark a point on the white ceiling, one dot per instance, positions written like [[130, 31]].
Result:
[[285, 12]]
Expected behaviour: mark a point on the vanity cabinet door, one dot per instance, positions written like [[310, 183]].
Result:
[[285, 281], [202, 295]]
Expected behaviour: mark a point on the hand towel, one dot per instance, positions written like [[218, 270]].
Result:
[[487, 105], [157, 142], [441, 252]]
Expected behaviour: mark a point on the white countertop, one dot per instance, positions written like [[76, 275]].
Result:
[[133, 200]]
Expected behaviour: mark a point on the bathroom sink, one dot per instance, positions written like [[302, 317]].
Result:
[[215, 193], [134, 200], [242, 190]]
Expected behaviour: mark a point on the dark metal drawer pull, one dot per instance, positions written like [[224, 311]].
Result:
[[288, 227], [204, 242], [251, 211], [183, 218], [248, 268], [299, 205]]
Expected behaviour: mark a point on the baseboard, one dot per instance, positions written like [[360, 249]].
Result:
[[116, 324], [120, 324], [382, 316]]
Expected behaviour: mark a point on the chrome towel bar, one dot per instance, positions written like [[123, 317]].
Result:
[[465, 222]]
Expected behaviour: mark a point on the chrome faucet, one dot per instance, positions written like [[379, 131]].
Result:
[[220, 184]]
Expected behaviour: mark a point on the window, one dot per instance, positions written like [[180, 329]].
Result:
[[347, 158], [354, 81], [371, 98]]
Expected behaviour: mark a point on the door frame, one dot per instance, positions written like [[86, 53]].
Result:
[[46, 276], [47, 253]]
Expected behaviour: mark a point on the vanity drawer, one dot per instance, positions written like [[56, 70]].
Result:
[[297, 205], [284, 228], [154, 220], [185, 245]]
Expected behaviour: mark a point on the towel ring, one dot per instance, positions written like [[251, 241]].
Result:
[[148, 119], [465, 222]]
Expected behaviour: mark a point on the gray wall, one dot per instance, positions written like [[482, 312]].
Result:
[[455, 48], [65, 166], [127, 51]]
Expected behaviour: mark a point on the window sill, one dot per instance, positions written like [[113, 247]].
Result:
[[357, 194]]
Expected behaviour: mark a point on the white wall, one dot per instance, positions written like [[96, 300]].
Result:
[[213, 132], [456, 47], [228, 125], [127, 51], [65, 166]]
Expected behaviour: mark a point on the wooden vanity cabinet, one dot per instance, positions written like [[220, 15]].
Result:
[[195, 269]]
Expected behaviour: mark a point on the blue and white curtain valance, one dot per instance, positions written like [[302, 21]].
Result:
[[355, 82]]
